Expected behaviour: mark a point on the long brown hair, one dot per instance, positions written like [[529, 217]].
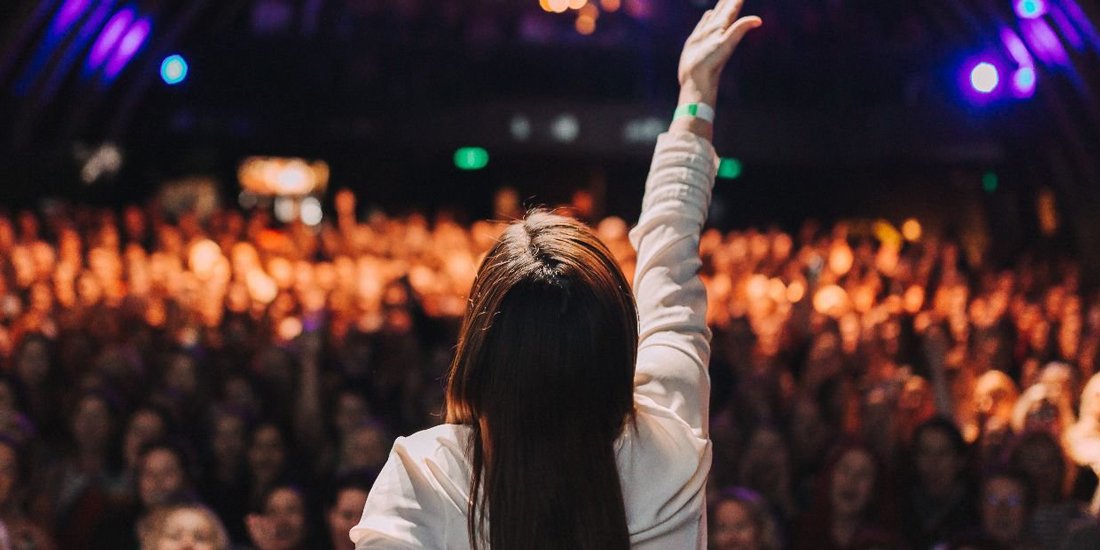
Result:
[[543, 376]]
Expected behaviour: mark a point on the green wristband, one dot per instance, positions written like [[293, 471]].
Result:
[[697, 110]]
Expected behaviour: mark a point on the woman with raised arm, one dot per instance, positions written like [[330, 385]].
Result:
[[577, 419]]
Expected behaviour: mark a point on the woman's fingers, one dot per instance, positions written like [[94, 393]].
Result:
[[727, 10], [733, 35]]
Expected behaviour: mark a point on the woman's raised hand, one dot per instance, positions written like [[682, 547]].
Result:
[[708, 49]]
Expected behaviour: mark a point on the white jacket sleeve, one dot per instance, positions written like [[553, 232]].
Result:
[[674, 340]]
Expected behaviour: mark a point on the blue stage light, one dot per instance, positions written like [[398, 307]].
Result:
[[1031, 9], [1023, 81], [173, 69]]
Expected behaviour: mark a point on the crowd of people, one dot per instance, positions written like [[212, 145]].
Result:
[[237, 382]]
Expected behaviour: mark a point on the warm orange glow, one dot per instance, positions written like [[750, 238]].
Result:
[[795, 292], [831, 300], [261, 287], [911, 230], [289, 328], [913, 299], [840, 258], [204, 254], [577, 4], [586, 25], [589, 10], [610, 5], [282, 176], [885, 232], [545, 5], [558, 6], [777, 291], [757, 287]]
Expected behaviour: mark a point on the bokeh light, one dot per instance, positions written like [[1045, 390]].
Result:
[[911, 230], [173, 69], [984, 77], [1023, 81], [585, 24], [1031, 9]]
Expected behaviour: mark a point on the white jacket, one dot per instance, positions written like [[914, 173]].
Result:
[[420, 497]]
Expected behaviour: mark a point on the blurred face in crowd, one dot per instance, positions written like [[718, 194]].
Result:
[[92, 424], [161, 477], [33, 363], [189, 529], [938, 464], [267, 453], [228, 439], [344, 515], [1004, 513], [351, 411], [1042, 461], [809, 433], [852, 483], [765, 466], [733, 527], [145, 426], [287, 512], [365, 448], [182, 375]]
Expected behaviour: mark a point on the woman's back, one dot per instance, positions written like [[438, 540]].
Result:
[[575, 418], [421, 497]]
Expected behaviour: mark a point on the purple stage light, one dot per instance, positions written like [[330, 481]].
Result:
[[1081, 21], [1016, 48], [67, 14], [130, 44], [109, 38], [1044, 42], [1061, 20], [984, 77], [1031, 9]]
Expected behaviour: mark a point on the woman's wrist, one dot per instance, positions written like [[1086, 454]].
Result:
[[690, 93]]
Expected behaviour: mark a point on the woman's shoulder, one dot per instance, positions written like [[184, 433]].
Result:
[[444, 440]]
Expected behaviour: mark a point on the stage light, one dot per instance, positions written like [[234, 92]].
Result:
[[129, 45], [611, 5], [990, 182], [471, 158], [1044, 42], [577, 4], [1031, 9], [1023, 81], [173, 69], [108, 38], [729, 169], [984, 77], [520, 127], [565, 128]]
